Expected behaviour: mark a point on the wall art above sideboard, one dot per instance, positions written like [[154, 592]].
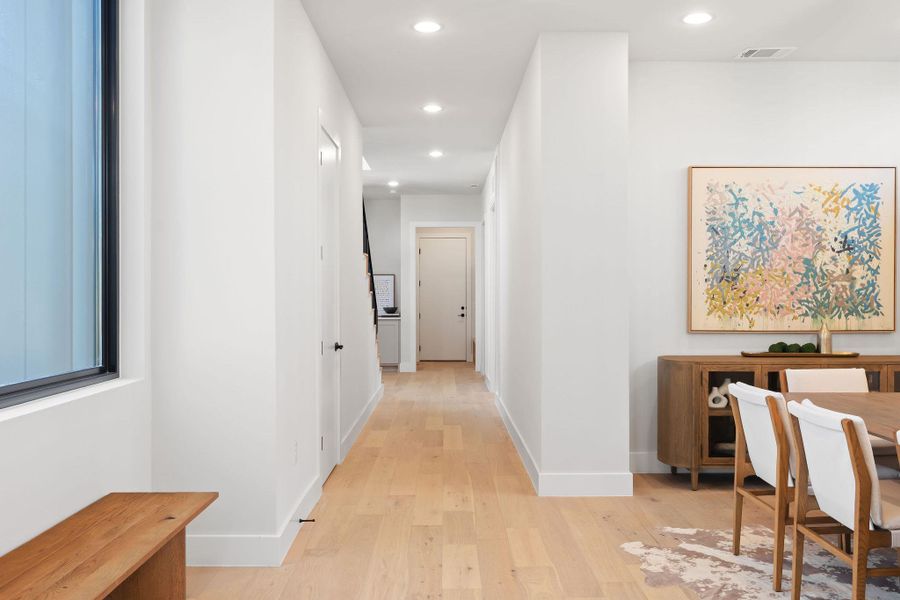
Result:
[[791, 248]]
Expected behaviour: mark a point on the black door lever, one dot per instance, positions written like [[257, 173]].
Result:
[[338, 346]]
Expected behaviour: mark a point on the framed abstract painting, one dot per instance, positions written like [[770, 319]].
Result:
[[788, 248]]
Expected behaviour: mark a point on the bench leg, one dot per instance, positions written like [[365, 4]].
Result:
[[162, 577]]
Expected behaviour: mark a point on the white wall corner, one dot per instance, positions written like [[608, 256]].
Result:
[[586, 484], [266, 550], [564, 484], [645, 461], [531, 466], [357, 427]]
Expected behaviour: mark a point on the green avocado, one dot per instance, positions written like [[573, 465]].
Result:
[[777, 347], [793, 348], [808, 347]]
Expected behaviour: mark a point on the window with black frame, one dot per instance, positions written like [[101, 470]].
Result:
[[58, 196]]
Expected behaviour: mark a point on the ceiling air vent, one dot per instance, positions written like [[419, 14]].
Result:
[[764, 53]]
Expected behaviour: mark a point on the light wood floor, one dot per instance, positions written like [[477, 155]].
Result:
[[433, 502]]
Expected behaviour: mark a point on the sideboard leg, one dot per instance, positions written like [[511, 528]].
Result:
[[695, 478], [673, 470]]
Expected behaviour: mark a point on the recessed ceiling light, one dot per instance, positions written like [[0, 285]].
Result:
[[427, 27], [435, 154], [393, 183], [698, 18], [474, 185], [432, 108]]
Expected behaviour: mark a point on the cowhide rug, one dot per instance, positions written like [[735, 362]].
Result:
[[702, 561]]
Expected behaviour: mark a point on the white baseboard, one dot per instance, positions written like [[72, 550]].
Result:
[[524, 453], [563, 484], [360, 422], [645, 462], [406, 367], [266, 550], [586, 484]]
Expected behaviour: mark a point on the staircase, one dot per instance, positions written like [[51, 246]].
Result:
[[370, 275]]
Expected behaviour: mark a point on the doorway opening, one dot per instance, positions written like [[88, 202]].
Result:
[[445, 294]]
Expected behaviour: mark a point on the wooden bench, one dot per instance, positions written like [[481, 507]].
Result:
[[123, 546]]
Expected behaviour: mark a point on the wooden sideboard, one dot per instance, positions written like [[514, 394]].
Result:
[[692, 435]]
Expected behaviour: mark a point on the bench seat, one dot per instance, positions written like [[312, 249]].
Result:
[[124, 545]]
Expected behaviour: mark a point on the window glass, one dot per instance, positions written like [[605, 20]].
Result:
[[51, 205]]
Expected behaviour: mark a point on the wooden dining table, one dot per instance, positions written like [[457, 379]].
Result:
[[880, 410]]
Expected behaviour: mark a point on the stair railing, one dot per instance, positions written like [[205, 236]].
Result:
[[368, 252]]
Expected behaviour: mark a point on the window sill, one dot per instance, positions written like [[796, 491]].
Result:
[[65, 397]]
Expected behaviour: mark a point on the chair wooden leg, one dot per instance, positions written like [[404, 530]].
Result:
[[860, 568], [738, 519], [797, 567], [781, 514]]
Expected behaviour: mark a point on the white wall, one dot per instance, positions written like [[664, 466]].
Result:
[[432, 209], [65, 451], [236, 338], [361, 384], [214, 260], [561, 172], [683, 114], [585, 312], [308, 95], [519, 242], [490, 357], [383, 216]]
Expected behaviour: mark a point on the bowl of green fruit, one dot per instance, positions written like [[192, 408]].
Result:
[[785, 348]]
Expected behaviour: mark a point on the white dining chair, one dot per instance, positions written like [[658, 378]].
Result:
[[764, 436], [835, 456], [812, 381], [825, 380]]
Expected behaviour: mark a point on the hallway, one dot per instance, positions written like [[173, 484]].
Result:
[[433, 502]]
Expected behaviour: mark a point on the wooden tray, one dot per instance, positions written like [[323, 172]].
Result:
[[799, 354]]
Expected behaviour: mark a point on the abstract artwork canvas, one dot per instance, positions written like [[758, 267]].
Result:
[[788, 248]]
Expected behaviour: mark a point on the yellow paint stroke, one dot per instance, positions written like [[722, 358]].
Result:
[[732, 301], [834, 200]]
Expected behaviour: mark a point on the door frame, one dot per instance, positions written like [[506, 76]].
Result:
[[335, 438], [410, 327]]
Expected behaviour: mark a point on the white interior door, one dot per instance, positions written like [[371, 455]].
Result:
[[443, 293], [329, 359]]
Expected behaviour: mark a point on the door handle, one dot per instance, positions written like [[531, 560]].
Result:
[[338, 346], [461, 315]]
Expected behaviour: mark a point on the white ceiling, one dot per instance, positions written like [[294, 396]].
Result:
[[473, 67]]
